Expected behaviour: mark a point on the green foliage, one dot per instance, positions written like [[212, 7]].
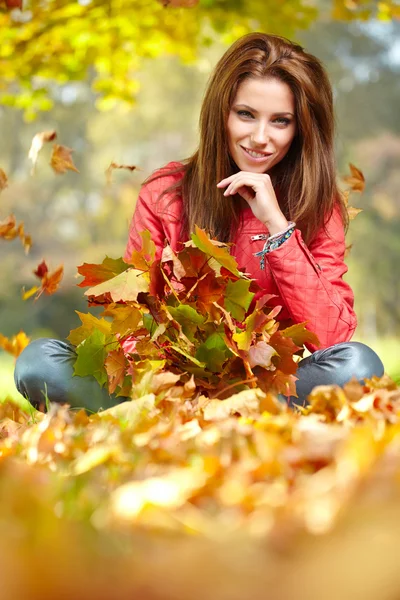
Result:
[[69, 41]]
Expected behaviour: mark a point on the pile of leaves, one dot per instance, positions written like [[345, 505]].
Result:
[[191, 317]]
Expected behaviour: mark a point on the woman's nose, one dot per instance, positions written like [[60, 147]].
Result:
[[260, 134]]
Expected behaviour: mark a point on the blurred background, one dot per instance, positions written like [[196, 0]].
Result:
[[78, 218]]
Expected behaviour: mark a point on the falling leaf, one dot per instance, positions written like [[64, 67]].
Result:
[[3, 180], [15, 344], [89, 324], [113, 166], [61, 160], [355, 180], [9, 230], [49, 281], [37, 144]]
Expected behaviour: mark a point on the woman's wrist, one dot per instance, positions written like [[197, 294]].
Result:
[[277, 225]]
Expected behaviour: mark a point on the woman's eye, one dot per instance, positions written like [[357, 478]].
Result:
[[244, 113], [282, 121]]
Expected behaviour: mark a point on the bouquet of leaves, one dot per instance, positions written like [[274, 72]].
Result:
[[191, 315]]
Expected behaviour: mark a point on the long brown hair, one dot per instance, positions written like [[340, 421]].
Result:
[[305, 178]]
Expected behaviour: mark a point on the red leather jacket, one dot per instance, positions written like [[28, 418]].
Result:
[[307, 281]]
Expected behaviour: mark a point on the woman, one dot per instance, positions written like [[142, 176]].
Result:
[[263, 178]]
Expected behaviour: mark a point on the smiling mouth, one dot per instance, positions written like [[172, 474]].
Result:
[[254, 154]]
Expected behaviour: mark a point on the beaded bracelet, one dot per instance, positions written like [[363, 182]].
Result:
[[274, 241]]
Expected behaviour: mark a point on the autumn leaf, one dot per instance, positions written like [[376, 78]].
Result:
[[61, 160], [91, 355], [300, 335], [9, 230], [142, 259], [260, 354], [94, 274], [355, 180], [114, 165], [245, 403], [124, 287], [37, 144], [89, 324], [125, 319], [49, 281], [237, 298], [115, 365], [352, 212], [216, 250], [15, 344], [3, 180]]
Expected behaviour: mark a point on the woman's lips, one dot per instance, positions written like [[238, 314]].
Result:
[[253, 158]]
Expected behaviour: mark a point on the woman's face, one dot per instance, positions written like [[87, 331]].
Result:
[[261, 124]]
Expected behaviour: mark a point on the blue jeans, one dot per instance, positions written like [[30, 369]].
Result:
[[47, 364]]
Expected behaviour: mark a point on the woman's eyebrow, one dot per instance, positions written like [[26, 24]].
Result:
[[253, 110]]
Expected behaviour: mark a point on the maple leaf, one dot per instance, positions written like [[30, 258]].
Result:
[[3, 180], [91, 355], [141, 259], [37, 144], [113, 165], [217, 250], [125, 319], [89, 324], [61, 160], [300, 335], [355, 180], [237, 298], [124, 287], [115, 365], [94, 274], [261, 354], [49, 281], [15, 344]]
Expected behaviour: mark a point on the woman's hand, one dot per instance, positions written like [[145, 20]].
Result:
[[258, 191]]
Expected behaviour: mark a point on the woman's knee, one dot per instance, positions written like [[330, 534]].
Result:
[[362, 362], [38, 364]]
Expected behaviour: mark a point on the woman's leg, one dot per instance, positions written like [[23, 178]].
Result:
[[46, 367], [335, 365]]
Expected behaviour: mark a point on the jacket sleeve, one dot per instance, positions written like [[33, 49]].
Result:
[[310, 282], [144, 217]]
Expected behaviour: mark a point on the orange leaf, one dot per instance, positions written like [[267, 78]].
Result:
[[9, 231], [16, 344], [3, 180], [49, 281], [355, 180], [115, 365], [61, 160]]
